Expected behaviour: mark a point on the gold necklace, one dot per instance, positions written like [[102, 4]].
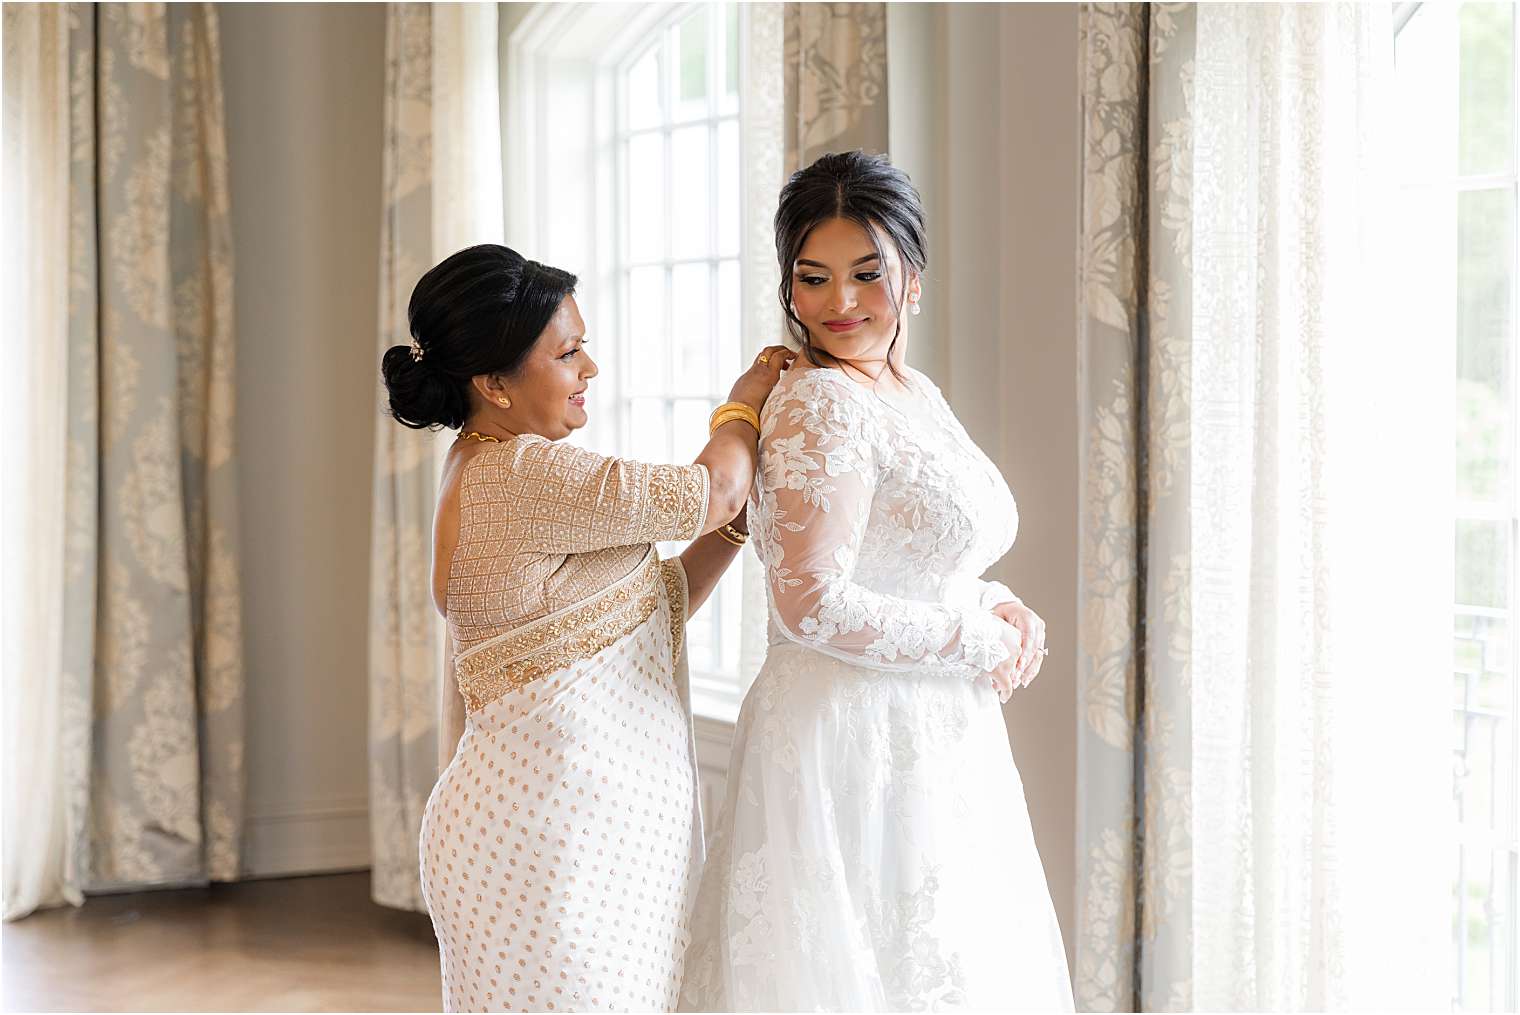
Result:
[[478, 436]]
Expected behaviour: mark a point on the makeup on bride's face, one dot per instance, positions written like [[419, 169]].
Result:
[[843, 292]]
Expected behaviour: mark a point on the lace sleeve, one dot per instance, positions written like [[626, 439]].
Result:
[[564, 499], [818, 475]]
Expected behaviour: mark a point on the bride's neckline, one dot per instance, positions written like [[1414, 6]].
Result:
[[915, 395], [911, 387]]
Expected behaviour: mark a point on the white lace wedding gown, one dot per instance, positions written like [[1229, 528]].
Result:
[[874, 851]]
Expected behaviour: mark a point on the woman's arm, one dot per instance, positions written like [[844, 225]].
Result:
[[731, 457], [565, 499], [732, 454], [706, 560]]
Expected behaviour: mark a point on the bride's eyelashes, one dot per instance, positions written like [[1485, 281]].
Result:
[[814, 281]]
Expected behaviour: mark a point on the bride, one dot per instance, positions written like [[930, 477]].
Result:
[[874, 851]]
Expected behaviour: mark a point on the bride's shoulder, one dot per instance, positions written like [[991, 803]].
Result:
[[803, 382], [808, 391]]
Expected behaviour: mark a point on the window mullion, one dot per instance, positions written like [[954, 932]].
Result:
[[1512, 859], [671, 69]]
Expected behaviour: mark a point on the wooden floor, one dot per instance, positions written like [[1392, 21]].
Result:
[[295, 944]]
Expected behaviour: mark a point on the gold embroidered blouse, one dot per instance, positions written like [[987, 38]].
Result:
[[554, 560]]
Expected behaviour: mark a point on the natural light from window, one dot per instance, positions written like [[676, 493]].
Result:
[[1457, 84], [678, 257]]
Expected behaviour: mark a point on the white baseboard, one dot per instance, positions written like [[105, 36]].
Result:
[[310, 838]]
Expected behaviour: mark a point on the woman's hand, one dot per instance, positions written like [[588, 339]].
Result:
[[754, 386], [1031, 629]]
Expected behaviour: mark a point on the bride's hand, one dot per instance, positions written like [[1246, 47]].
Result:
[[1031, 628], [1005, 676]]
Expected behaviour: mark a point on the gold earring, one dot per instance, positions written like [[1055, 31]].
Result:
[[506, 402]]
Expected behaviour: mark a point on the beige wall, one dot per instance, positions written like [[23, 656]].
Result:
[[303, 88], [984, 118], [1038, 304]]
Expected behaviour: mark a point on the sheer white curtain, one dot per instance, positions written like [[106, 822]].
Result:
[[1321, 479], [34, 219], [1264, 806], [761, 135], [467, 184]]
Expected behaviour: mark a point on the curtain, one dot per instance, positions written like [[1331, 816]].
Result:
[[134, 682], [835, 81], [761, 141], [1261, 727], [34, 219], [441, 192]]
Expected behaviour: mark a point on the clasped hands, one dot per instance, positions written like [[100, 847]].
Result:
[[1024, 637]]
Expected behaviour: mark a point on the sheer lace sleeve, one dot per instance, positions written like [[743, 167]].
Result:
[[559, 498], [818, 476]]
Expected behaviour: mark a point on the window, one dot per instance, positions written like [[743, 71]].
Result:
[[624, 160], [1456, 79], [677, 267]]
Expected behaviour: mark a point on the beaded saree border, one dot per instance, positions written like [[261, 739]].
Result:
[[515, 659]]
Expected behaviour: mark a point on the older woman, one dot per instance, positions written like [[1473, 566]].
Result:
[[559, 842]]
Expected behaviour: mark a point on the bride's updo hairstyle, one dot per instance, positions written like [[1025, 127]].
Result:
[[476, 312], [867, 190]]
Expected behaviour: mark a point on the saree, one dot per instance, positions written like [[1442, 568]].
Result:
[[561, 845]]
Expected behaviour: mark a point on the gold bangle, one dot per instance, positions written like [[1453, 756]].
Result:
[[730, 411], [729, 415], [731, 539], [729, 418], [742, 537]]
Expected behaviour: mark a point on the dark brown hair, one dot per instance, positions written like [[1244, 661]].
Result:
[[476, 312]]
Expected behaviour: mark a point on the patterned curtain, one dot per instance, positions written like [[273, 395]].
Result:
[[441, 192], [1134, 829], [150, 673], [1248, 530], [835, 68]]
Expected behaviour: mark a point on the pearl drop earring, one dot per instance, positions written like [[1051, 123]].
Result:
[[913, 308]]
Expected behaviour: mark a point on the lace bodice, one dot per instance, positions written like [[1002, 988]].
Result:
[[874, 521]]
